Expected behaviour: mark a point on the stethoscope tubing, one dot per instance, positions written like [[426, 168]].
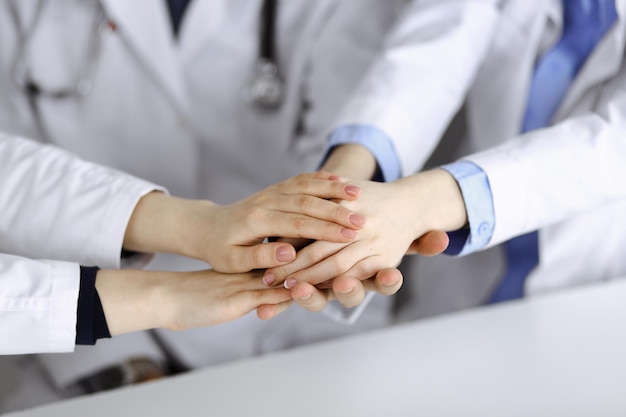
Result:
[[266, 90]]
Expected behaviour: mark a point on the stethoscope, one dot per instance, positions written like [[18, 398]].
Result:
[[267, 87], [265, 91]]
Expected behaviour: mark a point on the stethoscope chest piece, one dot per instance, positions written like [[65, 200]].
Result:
[[267, 88]]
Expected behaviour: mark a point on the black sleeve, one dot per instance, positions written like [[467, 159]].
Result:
[[91, 324]]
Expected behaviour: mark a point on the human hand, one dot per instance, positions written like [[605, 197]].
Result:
[[386, 282], [136, 300], [231, 237], [350, 291], [401, 216]]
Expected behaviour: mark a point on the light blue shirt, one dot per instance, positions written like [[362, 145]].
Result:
[[471, 178], [375, 141], [478, 198]]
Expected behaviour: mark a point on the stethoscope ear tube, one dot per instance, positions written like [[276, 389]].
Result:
[[267, 87]]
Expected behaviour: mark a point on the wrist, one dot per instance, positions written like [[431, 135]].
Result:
[[435, 199], [145, 224], [161, 223], [192, 226], [448, 209], [351, 161], [133, 300]]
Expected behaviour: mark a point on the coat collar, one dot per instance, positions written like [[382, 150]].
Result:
[[145, 26]]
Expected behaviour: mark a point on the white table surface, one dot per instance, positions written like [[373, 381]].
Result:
[[557, 355]]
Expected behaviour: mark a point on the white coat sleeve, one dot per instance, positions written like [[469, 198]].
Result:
[[555, 173], [54, 206], [38, 302], [421, 78]]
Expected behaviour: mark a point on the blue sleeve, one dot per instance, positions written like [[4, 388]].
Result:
[[476, 192], [373, 139]]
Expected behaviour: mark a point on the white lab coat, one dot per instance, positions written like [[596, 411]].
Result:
[[566, 180], [176, 113], [57, 212]]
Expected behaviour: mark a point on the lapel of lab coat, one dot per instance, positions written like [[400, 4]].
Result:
[[603, 63], [145, 26], [504, 79], [201, 22]]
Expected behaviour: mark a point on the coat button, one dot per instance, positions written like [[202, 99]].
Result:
[[484, 228]]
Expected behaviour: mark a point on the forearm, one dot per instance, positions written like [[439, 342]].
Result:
[[430, 200], [351, 161], [230, 238], [133, 300], [161, 223]]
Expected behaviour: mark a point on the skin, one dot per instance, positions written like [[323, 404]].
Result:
[[230, 237], [345, 272], [400, 216], [135, 300]]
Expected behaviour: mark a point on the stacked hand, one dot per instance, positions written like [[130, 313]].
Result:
[[231, 238], [405, 216], [359, 232]]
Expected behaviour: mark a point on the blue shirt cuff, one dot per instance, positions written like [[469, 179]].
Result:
[[378, 143], [476, 192]]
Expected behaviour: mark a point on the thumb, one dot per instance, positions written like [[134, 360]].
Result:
[[430, 244]]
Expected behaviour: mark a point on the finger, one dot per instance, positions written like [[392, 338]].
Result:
[[262, 256], [430, 244], [249, 300], [309, 297], [388, 281], [292, 225], [307, 257], [321, 185], [266, 295], [332, 266], [318, 208], [327, 175], [349, 291], [269, 311], [365, 268]]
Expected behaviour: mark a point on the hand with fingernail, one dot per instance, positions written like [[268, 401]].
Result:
[[231, 237], [404, 216]]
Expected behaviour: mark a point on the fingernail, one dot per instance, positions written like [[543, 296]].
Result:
[[349, 233], [284, 254], [290, 283], [357, 220], [352, 190], [269, 279], [334, 177]]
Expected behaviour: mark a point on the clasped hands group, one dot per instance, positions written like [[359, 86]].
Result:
[[329, 238]]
